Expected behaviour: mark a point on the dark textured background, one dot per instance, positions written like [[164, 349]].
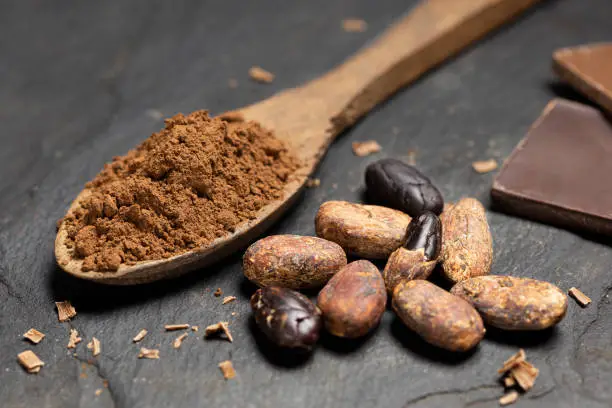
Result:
[[83, 81]]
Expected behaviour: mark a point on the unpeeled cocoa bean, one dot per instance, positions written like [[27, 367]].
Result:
[[513, 303], [353, 301], [467, 246], [292, 261], [367, 231], [440, 318], [286, 317]]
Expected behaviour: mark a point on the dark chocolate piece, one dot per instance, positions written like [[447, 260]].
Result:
[[560, 173], [588, 69]]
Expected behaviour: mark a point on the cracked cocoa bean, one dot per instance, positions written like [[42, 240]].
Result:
[[367, 231], [292, 261], [467, 246], [395, 184], [511, 303], [354, 300], [440, 318], [286, 317]]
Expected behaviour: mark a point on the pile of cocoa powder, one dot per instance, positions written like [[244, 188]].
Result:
[[183, 187]]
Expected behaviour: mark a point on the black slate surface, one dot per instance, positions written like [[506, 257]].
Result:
[[83, 81]]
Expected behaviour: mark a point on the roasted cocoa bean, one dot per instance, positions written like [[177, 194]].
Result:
[[292, 261], [367, 231], [286, 317], [353, 301], [395, 184], [441, 319], [404, 265], [511, 303], [467, 247], [425, 232]]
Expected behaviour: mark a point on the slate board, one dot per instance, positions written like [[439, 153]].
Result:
[[83, 81]]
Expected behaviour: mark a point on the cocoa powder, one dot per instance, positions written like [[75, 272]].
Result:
[[183, 187]]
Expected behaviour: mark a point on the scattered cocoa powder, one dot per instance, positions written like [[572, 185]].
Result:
[[194, 181]]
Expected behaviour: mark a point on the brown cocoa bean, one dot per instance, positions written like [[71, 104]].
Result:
[[292, 261], [441, 319], [467, 246], [353, 301], [514, 303], [367, 231], [405, 265]]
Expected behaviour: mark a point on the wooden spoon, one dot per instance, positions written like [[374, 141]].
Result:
[[308, 118]]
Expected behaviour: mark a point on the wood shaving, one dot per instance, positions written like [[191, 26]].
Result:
[[221, 327], [30, 361], [179, 340], [148, 353], [232, 116], [195, 328], [484, 166], [580, 298], [34, 335], [98, 392], [313, 182], [94, 346], [366, 148], [141, 334], [509, 398], [218, 292], [354, 25], [512, 362], [228, 299], [74, 339], [261, 75], [232, 83], [173, 327], [65, 311], [227, 369]]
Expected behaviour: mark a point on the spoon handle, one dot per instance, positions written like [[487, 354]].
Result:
[[432, 32]]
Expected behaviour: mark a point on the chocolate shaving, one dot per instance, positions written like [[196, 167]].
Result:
[[94, 346], [484, 166], [179, 340], [30, 361], [354, 25], [141, 334], [366, 148], [509, 398], [525, 375], [34, 336], [148, 353], [218, 292], [74, 339], [582, 299], [512, 362], [173, 327], [65, 311], [221, 327], [509, 382], [228, 299], [261, 75], [227, 369]]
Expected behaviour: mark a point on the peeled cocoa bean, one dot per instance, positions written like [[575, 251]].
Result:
[[353, 301], [292, 261], [286, 317], [467, 246], [441, 319], [367, 231], [395, 184], [511, 303]]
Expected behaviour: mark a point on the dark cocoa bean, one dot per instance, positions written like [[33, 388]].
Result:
[[425, 232], [286, 317], [396, 184], [354, 300]]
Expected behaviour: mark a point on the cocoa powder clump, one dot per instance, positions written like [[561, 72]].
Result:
[[194, 181]]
